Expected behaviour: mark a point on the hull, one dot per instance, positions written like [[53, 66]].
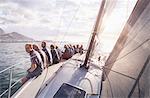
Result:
[[69, 72]]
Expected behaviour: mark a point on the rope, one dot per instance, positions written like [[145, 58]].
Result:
[[66, 32], [60, 20], [42, 83], [137, 33], [109, 84]]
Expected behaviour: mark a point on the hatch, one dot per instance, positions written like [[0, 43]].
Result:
[[69, 91]]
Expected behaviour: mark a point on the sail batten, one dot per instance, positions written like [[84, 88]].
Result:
[[130, 56]]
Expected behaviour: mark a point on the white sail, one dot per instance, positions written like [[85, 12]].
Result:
[[67, 79], [115, 16], [126, 70]]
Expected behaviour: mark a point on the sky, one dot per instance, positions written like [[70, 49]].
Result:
[[49, 19], [114, 20], [64, 20]]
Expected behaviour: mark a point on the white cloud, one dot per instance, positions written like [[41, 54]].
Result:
[[68, 20], [38, 17]]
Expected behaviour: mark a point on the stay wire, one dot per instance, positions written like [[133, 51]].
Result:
[[68, 27], [124, 57], [137, 33], [60, 20], [42, 83], [128, 52], [109, 84], [118, 60]]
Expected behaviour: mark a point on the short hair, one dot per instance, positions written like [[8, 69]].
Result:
[[52, 46], [34, 45], [44, 42], [28, 45]]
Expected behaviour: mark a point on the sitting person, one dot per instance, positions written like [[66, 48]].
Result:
[[43, 56], [77, 48], [74, 49], [59, 52], [47, 52], [81, 49], [35, 69], [66, 54], [71, 50], [55, 55]]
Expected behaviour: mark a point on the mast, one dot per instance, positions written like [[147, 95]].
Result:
[[97, 24]]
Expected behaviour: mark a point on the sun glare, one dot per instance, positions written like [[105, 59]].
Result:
[[114, 23]]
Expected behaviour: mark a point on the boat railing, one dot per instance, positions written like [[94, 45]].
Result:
[[8, 92]]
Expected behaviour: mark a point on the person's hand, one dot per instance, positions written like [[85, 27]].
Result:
[[28, 70], [44, 67]]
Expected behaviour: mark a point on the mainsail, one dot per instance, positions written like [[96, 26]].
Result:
[[126, 72], [113, 19]]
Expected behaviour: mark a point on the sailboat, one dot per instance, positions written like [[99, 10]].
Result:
[[125, 73]]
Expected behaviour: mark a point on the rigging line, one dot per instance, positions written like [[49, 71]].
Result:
[[103, 67], [123, 57], [96, 34], [128, 52], [42, 83], [109, 84], [119, 73], [127, 16], [60, 20], [52, 77], [108, 13], [136, 34], [62, 66], [71, 22], [138, 31], [111, 4], [139, 90], [89, 83], [65, 33], [139, 76], [49, 80]]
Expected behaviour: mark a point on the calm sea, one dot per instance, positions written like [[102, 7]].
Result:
[[12, 54]]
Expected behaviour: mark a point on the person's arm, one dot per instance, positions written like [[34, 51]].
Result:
[[47, 62], [33, 67], [33, 64]]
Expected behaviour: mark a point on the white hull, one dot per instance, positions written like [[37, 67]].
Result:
[[47, 84]]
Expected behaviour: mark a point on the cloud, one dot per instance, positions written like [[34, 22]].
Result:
[[14, 13], [48, 17]]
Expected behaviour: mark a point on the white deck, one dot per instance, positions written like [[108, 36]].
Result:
[[65, 72]]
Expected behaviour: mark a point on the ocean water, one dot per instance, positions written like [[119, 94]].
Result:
[[12, 54]]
